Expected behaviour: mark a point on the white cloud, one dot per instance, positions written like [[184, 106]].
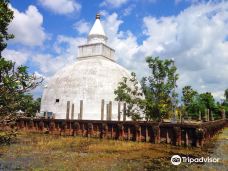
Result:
[[113, 4], [61, 6], [127, 11], [27, 27], [19, 57], [189, 1], [196, 39], [124, 43], [49, 64], [82, 27]]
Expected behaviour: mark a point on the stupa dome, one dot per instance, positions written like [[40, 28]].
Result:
[[94, 76]]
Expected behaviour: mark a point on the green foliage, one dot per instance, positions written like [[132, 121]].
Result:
[[132, 96], [28, 105], [6, 16], [14, 83], [226, 94], [207, 100], [158, 90], [195, 103], [15, 80], [188, 97], [225, 102]]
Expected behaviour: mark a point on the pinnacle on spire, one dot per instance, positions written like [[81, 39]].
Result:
[[97, 34], [98, 16]]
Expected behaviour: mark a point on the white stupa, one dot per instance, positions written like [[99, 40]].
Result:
[[93, 77]]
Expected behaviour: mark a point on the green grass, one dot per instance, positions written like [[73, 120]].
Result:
[[34, 151]]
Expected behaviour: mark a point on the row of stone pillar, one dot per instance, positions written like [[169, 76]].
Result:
[[109, 108], [119, 131], [209, 116]]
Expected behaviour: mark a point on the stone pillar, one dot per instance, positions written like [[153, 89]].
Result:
[[107, 112], [45, 115], [177, 137], [31, 125], [68, 110], [156, 133], [81, 109], [124, 112], [112, 132], [212, 116], [83, 129], [199, 137], [103, 131], [76, 128], [57, 126], [63, 128], [52, 126], [167, 137], [205, 116], [186, 138], [123, 133], [120, 132], [147, 138], [140, 134], [72, 111], [137, 132], [129, 133], [89, 130], [158, 136], [41, 125], [102, 109], [223, 114], [36, 126], [119, 105], [200, 116], [208, 115], [110, 110]]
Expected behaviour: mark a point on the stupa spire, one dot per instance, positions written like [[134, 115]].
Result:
[[97, 34]]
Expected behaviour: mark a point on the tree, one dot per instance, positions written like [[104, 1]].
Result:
[[226, 94], [201, 102], [6, 16], [158, 90], [208, 100], [188, 95], [188, 98], [226, 101], [15, 80], [195, 107], [129, 92], [28, 105]]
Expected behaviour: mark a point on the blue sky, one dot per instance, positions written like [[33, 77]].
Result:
[[193, 32]]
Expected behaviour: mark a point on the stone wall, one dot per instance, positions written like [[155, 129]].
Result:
[[179, 134]]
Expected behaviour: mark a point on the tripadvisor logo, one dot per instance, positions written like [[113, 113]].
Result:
[[176, 160]]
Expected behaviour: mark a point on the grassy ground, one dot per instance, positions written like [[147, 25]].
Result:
[[34, 151]]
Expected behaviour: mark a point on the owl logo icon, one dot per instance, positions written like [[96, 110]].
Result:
[[176, 160]]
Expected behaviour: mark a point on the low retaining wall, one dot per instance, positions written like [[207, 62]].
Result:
[[186, 134]]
